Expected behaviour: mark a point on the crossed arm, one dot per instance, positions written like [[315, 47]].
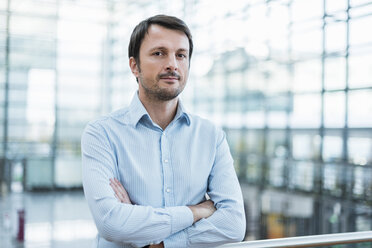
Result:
[[176, 226], [199, 211]]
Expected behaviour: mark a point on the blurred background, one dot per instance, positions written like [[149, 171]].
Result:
[[290, 82]]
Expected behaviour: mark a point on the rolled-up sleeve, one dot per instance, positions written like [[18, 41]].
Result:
[[115, 221]]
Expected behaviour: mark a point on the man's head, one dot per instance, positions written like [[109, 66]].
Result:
[[159, 57], [139, 32]]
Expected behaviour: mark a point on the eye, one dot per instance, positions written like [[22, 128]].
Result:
[[181, 55], [158, 53]]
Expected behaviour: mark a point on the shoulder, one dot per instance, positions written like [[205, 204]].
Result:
[[207, 127], [118, 116], [201, 121], [107, 122]]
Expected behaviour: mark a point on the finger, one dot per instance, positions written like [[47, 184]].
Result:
[[121, 188], [119, 184], [117, 190], [114, 182], [114, 185], [121, 199], [118, 197], [120, 191]]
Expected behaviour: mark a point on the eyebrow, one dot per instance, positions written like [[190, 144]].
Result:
[[183, 50], [164, 48]]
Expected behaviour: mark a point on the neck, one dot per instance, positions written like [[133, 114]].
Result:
[[161, 112]]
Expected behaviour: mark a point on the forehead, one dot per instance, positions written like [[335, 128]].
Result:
[[158, 36]]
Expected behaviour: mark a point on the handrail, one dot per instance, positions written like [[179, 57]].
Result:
[[307, 241]]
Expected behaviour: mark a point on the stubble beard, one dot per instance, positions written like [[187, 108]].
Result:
[[159, 94]]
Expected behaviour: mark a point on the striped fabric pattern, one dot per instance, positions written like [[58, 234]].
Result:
[[163, 171]]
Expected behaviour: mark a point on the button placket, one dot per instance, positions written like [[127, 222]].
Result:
[[167, 171]]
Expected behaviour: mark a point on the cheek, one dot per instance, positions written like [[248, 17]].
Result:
[[149, 70], [185, 74], [185, 70]]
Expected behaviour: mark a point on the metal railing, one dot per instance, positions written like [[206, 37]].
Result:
[[307, 241]]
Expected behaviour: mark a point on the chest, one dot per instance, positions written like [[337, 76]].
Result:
[[164, 170]]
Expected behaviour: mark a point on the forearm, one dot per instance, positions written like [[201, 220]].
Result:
[[226, 225], [202, 210], [125, 223], [199, 211]]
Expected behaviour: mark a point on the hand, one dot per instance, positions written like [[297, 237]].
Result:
[[161, 245], [120, 193], [202, 210]]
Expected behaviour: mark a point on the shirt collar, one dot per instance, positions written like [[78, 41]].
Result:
[[182, 113], [137, 111]]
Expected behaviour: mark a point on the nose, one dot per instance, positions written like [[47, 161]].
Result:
[[172, 64]]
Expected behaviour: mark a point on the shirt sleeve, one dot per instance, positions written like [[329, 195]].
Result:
[[228, 223], [115, 221]]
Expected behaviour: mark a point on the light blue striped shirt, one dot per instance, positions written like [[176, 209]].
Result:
[[163, 172]]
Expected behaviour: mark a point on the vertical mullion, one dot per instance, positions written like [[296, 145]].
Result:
[[54, 144], [5, 170]]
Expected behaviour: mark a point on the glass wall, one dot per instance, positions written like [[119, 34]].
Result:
[[290, 81], [294, 85], [53, 78]]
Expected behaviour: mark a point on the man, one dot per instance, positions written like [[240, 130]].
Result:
[[148, 168]]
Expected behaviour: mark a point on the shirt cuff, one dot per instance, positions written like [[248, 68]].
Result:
[[181, 218], [179, 240]]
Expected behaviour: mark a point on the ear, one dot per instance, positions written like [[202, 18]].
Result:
[[134, 67]]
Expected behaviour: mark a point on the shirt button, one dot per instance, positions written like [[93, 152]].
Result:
[[168, 190], [166, 161]]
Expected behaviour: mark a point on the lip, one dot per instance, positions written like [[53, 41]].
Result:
[[169, 78]]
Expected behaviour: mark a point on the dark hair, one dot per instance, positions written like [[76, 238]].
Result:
[[142, 28]]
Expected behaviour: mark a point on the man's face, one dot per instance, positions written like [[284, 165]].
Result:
[[164, 63]]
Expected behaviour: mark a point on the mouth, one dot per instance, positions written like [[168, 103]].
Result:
[[170, 77]]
